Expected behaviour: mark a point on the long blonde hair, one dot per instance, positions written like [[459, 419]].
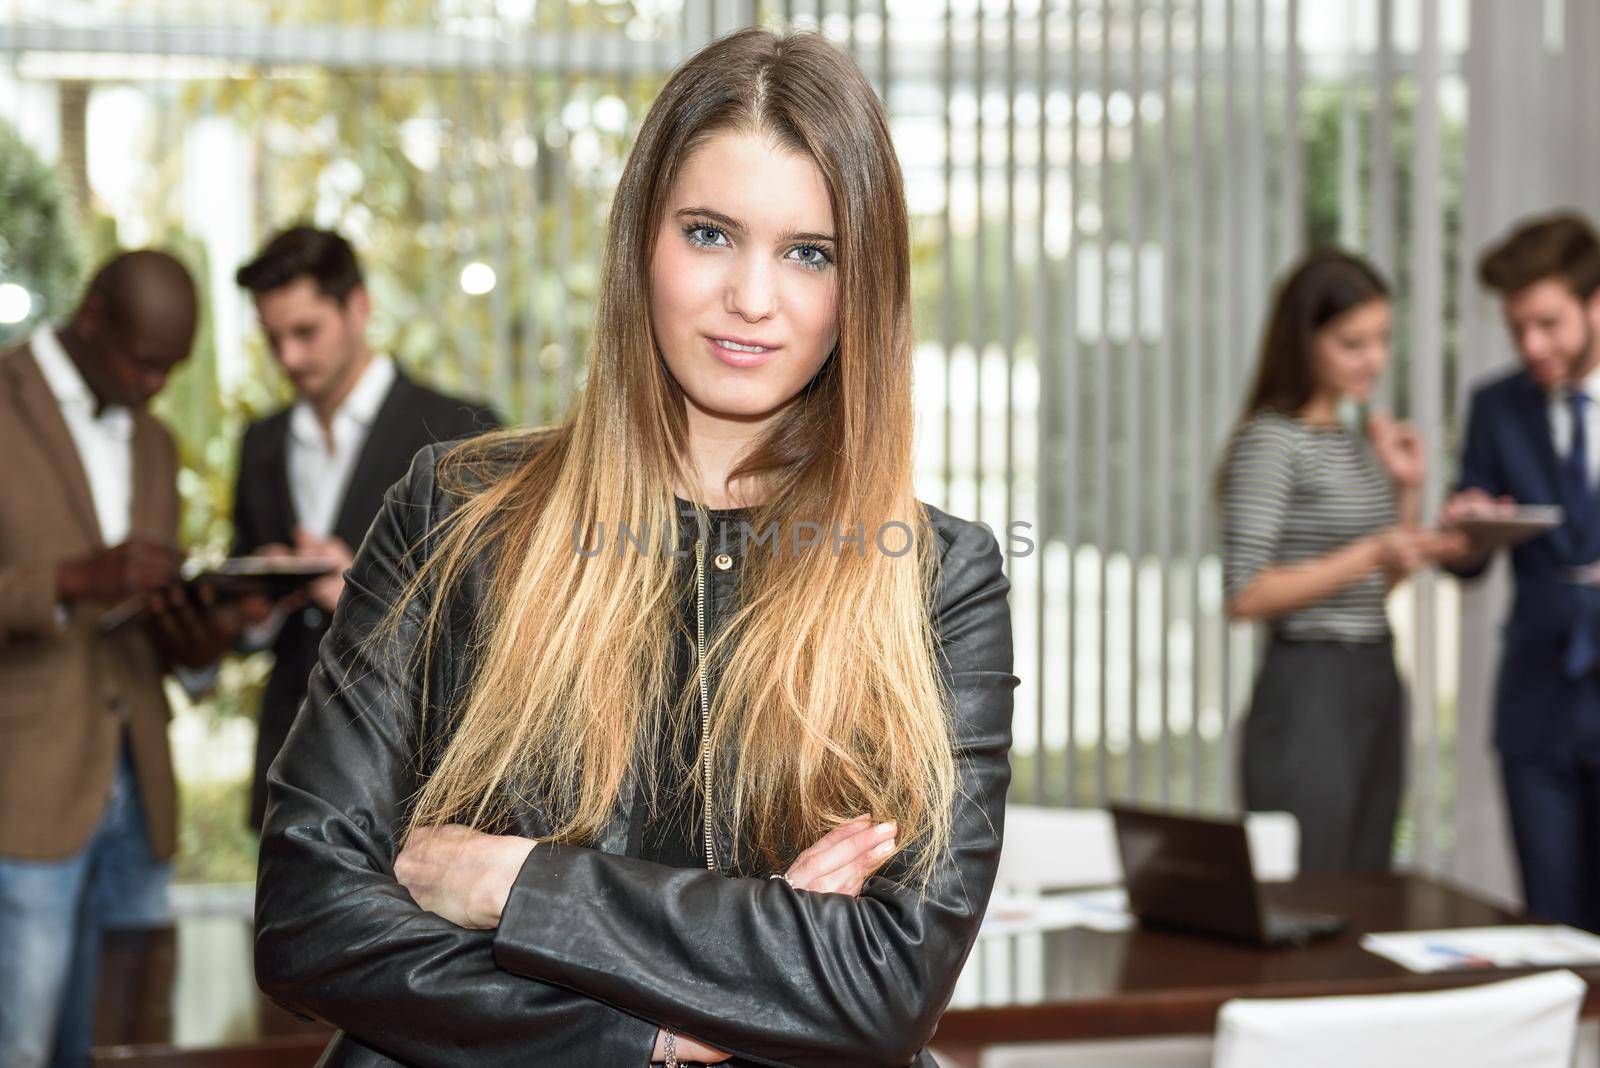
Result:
[[831, 702]]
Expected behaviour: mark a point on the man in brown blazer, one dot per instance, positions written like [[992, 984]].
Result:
[[88, 520]]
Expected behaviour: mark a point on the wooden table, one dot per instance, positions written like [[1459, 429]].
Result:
[[187, 996], [1078, 984]]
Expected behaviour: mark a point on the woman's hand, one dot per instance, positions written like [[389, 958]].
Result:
[[840, 862], [461, 874], [1401, 551], [1399, 448]]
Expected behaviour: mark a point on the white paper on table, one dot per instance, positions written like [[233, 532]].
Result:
[[1096, 910], [1531, 946]]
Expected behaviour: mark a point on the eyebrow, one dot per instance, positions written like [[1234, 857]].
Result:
[[730, 223]]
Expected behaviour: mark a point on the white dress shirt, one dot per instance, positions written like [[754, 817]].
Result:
[[319, 473], [104, 441], [1560, 408]]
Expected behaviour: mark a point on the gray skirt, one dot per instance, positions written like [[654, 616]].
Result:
[[1325, 739]]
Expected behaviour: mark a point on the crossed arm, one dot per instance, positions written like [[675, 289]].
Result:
[[593, 953]]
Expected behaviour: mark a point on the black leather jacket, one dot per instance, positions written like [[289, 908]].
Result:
[[596, 949]]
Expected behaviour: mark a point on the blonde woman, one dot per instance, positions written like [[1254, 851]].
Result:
[[564, 792]]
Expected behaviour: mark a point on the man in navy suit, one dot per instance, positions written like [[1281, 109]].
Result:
[[1533, 437]]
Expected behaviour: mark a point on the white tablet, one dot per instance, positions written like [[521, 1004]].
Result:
[[1523, 522]]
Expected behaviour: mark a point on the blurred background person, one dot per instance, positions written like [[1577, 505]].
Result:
[[88, 521], [1319, 521], [1533, 437], [312, 476]]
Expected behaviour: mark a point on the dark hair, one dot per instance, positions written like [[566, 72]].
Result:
[[304, 252], [1321, 287], [140, 280], [1562, 245]]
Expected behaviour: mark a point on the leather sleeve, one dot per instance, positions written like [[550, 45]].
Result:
[[336, 936], [782, 976]]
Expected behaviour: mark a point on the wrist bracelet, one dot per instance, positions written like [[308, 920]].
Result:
[[671, 1051]]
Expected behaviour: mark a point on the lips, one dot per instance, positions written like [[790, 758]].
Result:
[[740, 352]]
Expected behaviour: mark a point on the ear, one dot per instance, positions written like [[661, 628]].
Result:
[[91, 316], [358, 305]]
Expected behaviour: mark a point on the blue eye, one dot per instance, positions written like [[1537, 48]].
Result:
[[694, 231], [821, 260]]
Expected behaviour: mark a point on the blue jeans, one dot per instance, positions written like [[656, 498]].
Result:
[[51, 915]]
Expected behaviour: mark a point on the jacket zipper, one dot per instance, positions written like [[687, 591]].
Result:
[[705, 693]]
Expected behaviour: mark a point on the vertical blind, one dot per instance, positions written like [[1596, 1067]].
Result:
[[1102, 192]]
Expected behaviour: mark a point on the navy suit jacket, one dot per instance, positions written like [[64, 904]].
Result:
[[1540, 714]]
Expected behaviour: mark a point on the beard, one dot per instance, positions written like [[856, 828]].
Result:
[[1589, 354], [1585, 356]]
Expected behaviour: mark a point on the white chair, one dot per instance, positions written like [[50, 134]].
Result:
[[1175, 1051], [1274, 845], [1068, 848], [1588, 1045], [1057, 849], [1530, 1022]]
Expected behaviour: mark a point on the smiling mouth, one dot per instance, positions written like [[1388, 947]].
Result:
[[736, 346]]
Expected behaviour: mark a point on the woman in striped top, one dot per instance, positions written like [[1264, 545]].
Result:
[[1319, 523]]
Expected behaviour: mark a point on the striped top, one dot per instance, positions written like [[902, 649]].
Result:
[[1294, 492]]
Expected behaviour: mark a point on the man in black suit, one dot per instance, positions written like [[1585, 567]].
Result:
[[312, 476]]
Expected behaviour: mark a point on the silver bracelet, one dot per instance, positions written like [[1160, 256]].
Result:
[[671, 1060], [785, 877]]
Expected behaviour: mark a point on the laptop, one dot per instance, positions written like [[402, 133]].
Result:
[[1194, 874]]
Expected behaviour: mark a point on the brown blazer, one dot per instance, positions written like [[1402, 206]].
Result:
[[65, 690]]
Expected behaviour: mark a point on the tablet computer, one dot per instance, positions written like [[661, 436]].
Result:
[[274, 577], [270, 576], [1518, 525]]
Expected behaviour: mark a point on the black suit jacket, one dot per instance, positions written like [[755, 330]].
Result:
[[412, 417]]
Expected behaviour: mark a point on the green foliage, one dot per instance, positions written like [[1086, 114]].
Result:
[[39, 244], [215, 842], [426, 173]]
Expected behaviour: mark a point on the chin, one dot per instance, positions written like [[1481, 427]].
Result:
[[1360, 393], [737, 404]]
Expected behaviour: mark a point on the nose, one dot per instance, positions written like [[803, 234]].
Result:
[[752, 290], [1534, 343], [289, 356]]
